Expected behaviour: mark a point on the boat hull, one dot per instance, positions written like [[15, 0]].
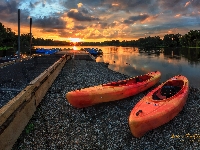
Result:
[[150, 113], [112, 91]]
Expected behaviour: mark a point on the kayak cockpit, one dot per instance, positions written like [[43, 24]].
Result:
[[168, 90], [142, 78], [129, 81]]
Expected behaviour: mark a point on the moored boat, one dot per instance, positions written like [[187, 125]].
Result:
[[94, 51], [112, 91], [159, 106], [46, 51]]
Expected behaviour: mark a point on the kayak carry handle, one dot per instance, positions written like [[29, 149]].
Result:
[[139, 111]]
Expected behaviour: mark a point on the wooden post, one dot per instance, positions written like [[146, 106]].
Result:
[[18, 33], [30, 35]]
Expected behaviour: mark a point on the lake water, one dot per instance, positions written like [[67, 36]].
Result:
[[133, 62], [170, 62]]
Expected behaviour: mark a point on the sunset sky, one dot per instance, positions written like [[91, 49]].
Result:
[[100, 20]]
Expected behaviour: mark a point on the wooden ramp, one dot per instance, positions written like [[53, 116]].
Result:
[[15, 115]]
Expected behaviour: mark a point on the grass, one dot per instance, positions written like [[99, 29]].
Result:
[[5, 48], [29, 128], [195, 47]]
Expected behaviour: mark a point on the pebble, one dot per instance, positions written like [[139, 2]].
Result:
[[15, 77], [58, 125]]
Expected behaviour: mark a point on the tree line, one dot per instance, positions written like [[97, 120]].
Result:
[[9, 39], [191, 39]]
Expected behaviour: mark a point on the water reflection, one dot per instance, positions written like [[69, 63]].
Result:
[[134, 61], [169, 61]]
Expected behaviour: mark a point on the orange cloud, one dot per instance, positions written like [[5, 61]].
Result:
[[149, 19], [177, 15], [187, 3], [79, 5], [115, 4]]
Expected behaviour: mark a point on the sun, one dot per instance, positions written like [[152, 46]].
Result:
[[74, 40]]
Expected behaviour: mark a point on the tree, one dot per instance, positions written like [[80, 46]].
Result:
[[2, 34], [184, 40], [194, 37]]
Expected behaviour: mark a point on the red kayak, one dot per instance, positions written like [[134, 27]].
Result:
[[112, 91], [159, 106]]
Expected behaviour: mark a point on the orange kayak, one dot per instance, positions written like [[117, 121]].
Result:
[[112, 91], [159, 106]]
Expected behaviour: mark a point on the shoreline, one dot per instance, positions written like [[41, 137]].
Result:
[[58, 125]]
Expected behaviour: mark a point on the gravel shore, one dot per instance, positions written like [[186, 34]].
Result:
[[57, 125], [16, 77]]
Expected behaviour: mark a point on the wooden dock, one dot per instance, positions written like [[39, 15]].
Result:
[[78, 54]]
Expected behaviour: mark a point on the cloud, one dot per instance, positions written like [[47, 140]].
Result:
[[32, 5], [133, 19], [9, 12], [79, 27], [50, 30], [195, 3], [50, 22], [8, 9], [110, 19], [171, 7], [79, 16], [187, 3], [100, 25], [79, 5], [84, 10]]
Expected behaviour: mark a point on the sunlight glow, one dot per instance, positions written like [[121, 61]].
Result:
[[74, 40], [75, 48]]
